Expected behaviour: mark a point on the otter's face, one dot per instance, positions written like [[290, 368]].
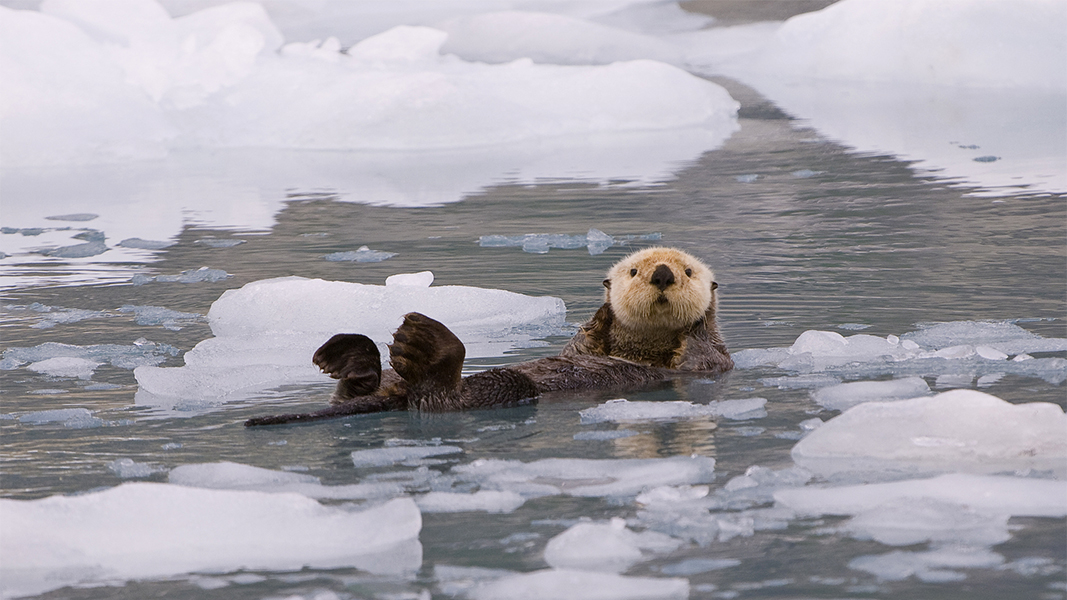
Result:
[[660, 288]]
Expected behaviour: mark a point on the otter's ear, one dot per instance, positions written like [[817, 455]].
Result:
[[714, 285], [607, 283]]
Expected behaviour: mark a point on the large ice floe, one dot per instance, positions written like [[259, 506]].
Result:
[[134, 82], [115, 534], [958, 350], [972, 90], [266, 332]]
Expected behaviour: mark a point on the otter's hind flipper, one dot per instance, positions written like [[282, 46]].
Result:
[[353, 359], [365, 405], [426, 354]]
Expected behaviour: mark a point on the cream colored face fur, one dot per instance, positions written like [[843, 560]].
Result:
[[639, 303]]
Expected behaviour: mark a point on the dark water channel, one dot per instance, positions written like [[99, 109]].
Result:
[[855, 239]]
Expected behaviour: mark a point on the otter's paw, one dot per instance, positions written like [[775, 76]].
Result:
[[354, 359], [426, 354]]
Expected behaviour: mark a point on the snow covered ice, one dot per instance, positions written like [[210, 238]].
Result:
[[266, 332]]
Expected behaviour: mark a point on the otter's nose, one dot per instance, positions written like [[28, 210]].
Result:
[[662, 277]]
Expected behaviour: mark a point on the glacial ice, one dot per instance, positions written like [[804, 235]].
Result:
[[266, 331], [539, 243], [363, 254], [585, 477], [607, 547], [65, 366], [580, 585], [235, 476], [623, 411], [142, 352], [955, 431], [879, 76], [114, 535], [846, 395], [968, 348]]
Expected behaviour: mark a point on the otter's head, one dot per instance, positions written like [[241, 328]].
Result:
[[660, 288]]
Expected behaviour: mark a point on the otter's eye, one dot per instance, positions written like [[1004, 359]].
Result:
[[633, 272], [689, 272]]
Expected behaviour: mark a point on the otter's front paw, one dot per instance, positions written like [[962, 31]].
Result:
[[354, 359], [426, 354]]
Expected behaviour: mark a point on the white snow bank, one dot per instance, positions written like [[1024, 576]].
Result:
[[585, 477], [607, 547], [580, 585], [976, 43], [116, 534], [266, 332], [958, 430], [215, 77], [958, 348], [622, 410], [847, 395]]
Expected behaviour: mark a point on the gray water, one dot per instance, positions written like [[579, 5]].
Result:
[[863, 240]]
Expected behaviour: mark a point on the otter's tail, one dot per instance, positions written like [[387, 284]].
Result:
[[362, 406]]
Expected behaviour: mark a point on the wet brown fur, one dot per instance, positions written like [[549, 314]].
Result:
[[658, 317]]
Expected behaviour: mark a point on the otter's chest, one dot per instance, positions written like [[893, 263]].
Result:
[[654, 348]]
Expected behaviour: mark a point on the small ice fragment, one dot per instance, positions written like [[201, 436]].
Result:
[[362, 255], [811, 424], [847, 395], [695, 566], [157, 315], [65, 366], [74, 418], [78, 250], [986, 159], [988, 380], [73, 217], [211, 242], [381, 457], [1022, 357], [805, 173], [909, 345], [990, 353], [535, 245], [491, 501], [607, 547], [892, 339], [853, 326], [145, 244], [953, 380], [962, 351], [140, 279], [747, 178], [126, 468], [598, 241], [422, 279]]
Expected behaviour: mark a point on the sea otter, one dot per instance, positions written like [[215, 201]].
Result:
[[658, 318]]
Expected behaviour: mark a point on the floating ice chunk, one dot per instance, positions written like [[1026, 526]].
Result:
[[847, 395], [483, 500], [142, 352], [750, 178], [801, 381], [422, 279], [959, 430], [157, 315], [586, 477], [65, 366], [213, 242], [382, 457], [115, 533], [127, 468], [932, 566], [53, 315], [695, 566], [622, 410], [580, 585], [75, 418], [989, 353], [235, 476], [266, 331], [539, 243], [609, 547], [933, 350], [363, 255], [145, 244], [190, 276]]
